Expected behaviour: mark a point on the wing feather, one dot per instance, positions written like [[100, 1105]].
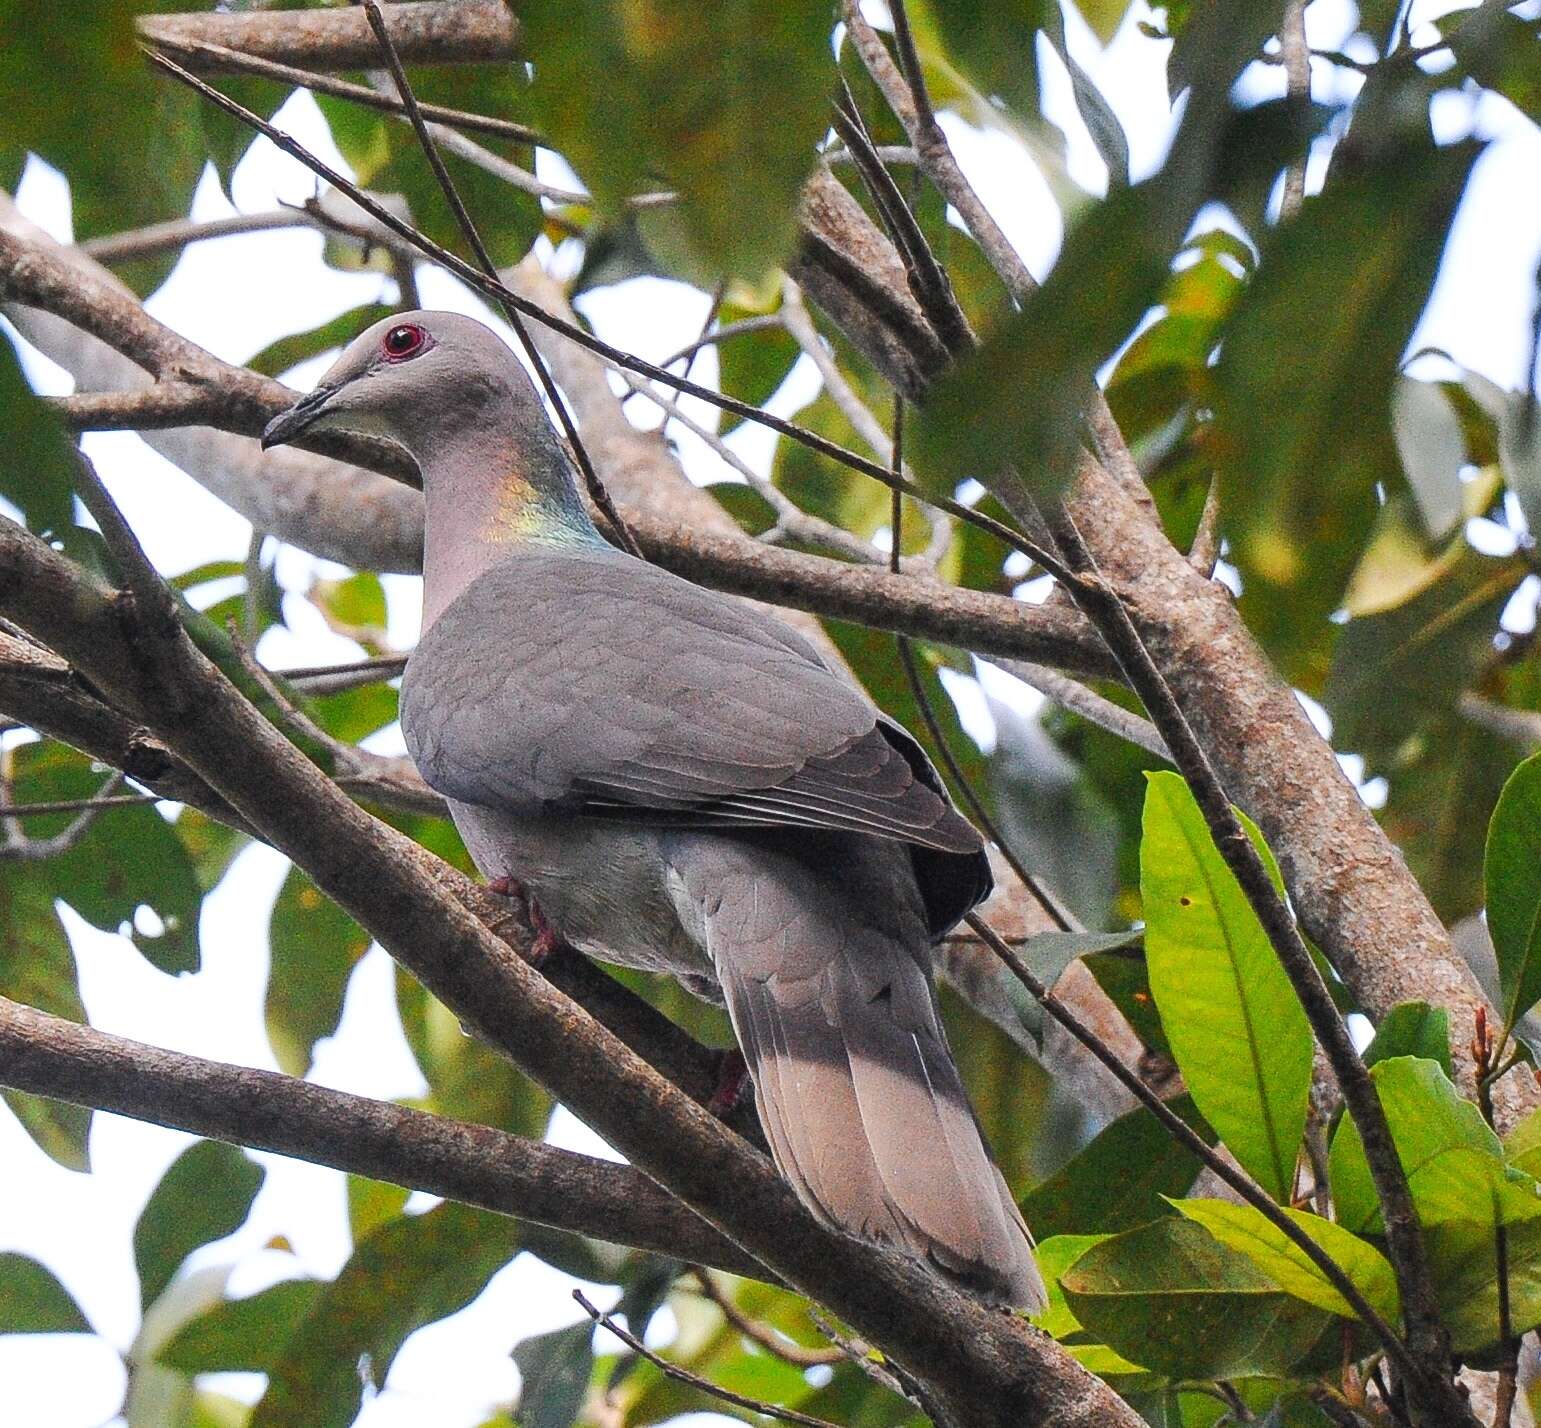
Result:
[[594, 682]]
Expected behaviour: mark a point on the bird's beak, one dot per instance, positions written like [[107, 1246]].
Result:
[[289, 424]]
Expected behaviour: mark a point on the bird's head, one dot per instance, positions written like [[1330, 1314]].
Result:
[[415, 378]]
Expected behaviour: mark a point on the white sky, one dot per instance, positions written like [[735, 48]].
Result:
[[234, 296]]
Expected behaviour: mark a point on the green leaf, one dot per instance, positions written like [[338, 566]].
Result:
[[467, 1079], [205, 1195], [278, 357], [754, 366], [1055, 1255], [1513, 875], [1498, 50], [1170, 1297], [1122, 1179], [32, 1301], [371, 1203], [1244, 1228], [1396, 671], [1413, 1029], [241, 1335], [1237, 1032], [74, 89], [130, 858], [409, 1272], [1522, 1145], [554, 1372], [1046, 955], [314, 947], [995, 45], [1304, 384], [728, 113], [38, 473], [37, 967], [1453, 1160], [1016, 400]]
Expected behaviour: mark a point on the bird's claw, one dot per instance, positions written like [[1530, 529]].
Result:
[[547, 939], [732, 1080]]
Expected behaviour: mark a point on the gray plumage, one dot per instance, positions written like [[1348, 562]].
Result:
[[682, 785]]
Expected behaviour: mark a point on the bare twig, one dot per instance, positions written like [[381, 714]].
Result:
[[1205, 550], [596, 487], [1296, 54], [1095, 708], [769, 1339], [167, 237], [1427, 1353], [17, 847], [1190, 1140], [682, 1375]]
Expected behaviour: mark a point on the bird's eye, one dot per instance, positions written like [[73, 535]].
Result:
[[403, 342]]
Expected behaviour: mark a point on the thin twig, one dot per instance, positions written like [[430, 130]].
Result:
[[1205, 550], [1190, 1140], [357, 93], [760, 322], [769, 1339], [1296, 54], [76, 805], [674, 1371], [1051, 905], [1095, 708], [20, 848], [596, 487], [928, 278], [1427, 1351], [164, 237], [499, 292], [792, 522]]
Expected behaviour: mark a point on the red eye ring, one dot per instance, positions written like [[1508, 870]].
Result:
[[402, 342]]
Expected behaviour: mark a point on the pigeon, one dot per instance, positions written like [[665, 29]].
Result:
[[679, 783]]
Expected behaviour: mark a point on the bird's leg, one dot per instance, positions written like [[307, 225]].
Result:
[[547, 939], [732, 1080]]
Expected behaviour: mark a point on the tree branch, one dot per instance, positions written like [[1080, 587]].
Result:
[[429, 32], [475, 1164], [984, 1368]]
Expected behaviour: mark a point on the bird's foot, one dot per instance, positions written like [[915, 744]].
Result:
[[547, 939], [732, 1081]]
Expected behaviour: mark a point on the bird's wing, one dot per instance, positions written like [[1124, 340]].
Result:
[[596, 683]]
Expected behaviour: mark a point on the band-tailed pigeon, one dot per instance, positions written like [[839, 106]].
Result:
[[681, 785]]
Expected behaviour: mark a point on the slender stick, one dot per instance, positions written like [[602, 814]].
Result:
[[715, 1390], [496, 290], [1190, 1140], [357, 93], [596, 488], [1428, 1339]]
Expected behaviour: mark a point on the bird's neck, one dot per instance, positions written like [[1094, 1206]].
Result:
[[509, 487]]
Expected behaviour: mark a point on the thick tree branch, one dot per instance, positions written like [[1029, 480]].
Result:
[[984, 1367], [427, 32], [475, 1164], [1349, 885], [351, 514]]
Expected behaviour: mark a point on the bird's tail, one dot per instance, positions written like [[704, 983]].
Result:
[[860, 1099]]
